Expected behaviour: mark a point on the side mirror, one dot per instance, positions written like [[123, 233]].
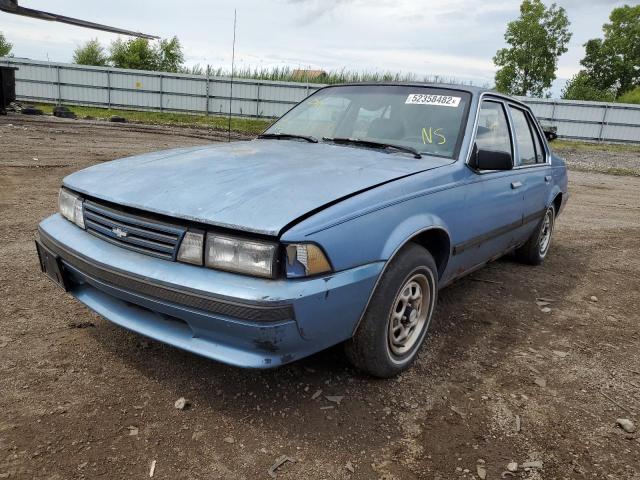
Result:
[[490, 160]]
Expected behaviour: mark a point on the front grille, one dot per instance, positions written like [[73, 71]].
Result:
[[134, 232]]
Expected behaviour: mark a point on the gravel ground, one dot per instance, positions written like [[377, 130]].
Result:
[[499, 380], [619, 160]]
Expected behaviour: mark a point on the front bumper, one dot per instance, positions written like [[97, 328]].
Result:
[[239, 320]]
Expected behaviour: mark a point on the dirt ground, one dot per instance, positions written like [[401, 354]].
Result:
[[499, 380]]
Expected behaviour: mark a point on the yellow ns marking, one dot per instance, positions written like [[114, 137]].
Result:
[[428, 134]]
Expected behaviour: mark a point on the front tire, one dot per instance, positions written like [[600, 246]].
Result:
[[395, 324], [535, 250]]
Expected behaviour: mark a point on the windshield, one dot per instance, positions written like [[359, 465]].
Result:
[[428, 120]]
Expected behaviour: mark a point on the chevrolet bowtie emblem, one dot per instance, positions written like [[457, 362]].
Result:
[[119, 232]]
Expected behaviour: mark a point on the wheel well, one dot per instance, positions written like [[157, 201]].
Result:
[[439, 246], [557, 202]]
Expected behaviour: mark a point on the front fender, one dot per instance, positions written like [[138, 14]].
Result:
[[408, 229]]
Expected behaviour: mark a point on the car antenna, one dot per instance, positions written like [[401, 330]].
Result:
[[233, 59]]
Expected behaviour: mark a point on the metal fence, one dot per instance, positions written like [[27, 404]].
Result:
[[201, 94]]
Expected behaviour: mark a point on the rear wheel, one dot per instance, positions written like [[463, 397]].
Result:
[[397, 319], [535, 250]]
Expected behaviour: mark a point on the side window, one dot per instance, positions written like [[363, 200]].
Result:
[[523, 137], [493, 129], [541, 154]]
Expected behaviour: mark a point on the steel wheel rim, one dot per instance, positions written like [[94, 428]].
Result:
[[545, 233], [409, 315]]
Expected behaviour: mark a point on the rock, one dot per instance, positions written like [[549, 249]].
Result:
[[545, 310], [349, 466], [229, 440], [117, 119], [334, 398], [533, 464], [133, 431], [181, 403], [482, 472], [593, 298], [4, 341], [512, 466], [560, 353], [316, 394], [541, 382], [61, 111], [31, 110], [152, 470], [626, 424]]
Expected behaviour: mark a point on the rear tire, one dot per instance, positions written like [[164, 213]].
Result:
[[395, 324], [535, 250]]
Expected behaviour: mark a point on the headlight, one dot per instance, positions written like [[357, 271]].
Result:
[[243, 256], [70, 206], [306, 259]]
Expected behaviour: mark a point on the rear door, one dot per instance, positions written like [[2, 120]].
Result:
[[532, 162]]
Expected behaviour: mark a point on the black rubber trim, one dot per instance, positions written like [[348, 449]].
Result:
[[461, 247], [253, 313]]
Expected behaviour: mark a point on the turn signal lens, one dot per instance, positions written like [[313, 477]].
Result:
[[191, 248], [306, 259]]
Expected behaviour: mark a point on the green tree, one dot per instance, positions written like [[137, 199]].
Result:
[[91, 53], [614, 61], [140, 54], [632, 96], [5, 46], [536, 40], [136, 53], [169, 55], [582, 87]]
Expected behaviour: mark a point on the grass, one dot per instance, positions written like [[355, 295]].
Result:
[[238, 124], [617, 171], [288, 74], [593, 146]]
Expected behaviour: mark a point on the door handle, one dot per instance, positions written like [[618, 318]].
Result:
[[515, 185], [547, 178]]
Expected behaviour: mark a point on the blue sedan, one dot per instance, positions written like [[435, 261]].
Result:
[[339, 224]]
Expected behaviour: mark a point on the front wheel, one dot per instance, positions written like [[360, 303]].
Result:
[[535, 250], [397, 319]]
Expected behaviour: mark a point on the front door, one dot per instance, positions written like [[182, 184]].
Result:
[[493, 199]]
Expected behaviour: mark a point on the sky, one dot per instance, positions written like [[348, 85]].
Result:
[[449, 38]]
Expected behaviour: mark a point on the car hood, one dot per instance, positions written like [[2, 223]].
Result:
[[258, 186]]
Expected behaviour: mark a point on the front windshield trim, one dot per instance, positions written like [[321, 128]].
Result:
[[436, 89]]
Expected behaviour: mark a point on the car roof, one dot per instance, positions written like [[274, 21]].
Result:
[[476, 91]]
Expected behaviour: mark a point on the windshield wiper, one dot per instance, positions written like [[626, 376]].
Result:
[[289, 136], [373, 144]]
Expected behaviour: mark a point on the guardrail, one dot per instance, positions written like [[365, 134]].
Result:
[[108, 87]]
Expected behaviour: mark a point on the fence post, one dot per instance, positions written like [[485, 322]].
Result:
[[161, 107], [207, 94], [109, 89], [602, 123], [258, 102], [58, 81]]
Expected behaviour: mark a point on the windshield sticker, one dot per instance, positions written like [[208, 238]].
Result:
[[422, 99], [429, 134]]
